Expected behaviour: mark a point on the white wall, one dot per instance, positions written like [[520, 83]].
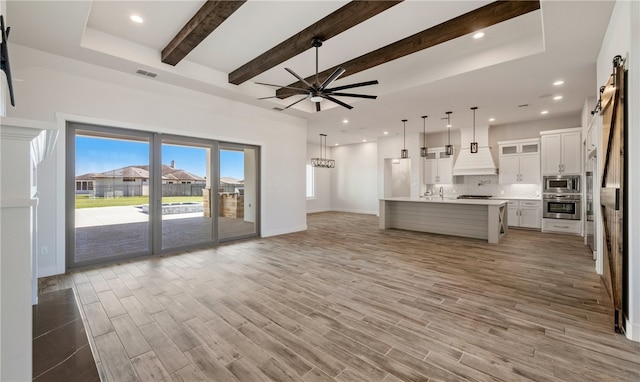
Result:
[[355, 178], [322, 182], [61, 89], [622, 38]]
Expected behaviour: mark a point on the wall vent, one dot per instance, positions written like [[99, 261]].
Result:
[[278, 108], [146, 73]]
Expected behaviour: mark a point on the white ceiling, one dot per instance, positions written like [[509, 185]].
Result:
[[515, 63]]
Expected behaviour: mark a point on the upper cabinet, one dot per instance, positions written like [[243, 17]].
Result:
[[561, 152], [519, 161], [438, 167]]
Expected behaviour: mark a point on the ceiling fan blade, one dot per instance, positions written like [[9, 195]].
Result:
[[280, 86], [298, 77], [354, 95], [336, 73], [267, 97], [337, 101], [367, 83], [300, 100], [318, 106]]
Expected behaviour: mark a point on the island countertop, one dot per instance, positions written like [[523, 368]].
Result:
[[437, 199]]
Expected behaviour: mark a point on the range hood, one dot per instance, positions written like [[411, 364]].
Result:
[[480, 163]]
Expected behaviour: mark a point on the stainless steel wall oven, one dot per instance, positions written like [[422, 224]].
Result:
[[561, 206]]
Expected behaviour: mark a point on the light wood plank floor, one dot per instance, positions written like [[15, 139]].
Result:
[[346, 301]]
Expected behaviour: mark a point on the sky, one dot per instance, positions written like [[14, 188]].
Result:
[[100, 155]]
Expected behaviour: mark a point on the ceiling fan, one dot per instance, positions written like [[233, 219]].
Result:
[[317, 91]]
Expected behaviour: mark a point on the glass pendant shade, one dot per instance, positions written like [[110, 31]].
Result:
[[404, 153], [448, 149], [423, 149], [473, 147], [322, 161]]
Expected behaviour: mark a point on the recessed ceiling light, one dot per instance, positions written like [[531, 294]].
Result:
[[544, 112], [478, 35], [385, 133], [345, 121], [558, 83], [136, 19], [557, 98], [364, 140], [336, 144], [491, 119]]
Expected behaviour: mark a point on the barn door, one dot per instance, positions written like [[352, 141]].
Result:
[[612, 190]]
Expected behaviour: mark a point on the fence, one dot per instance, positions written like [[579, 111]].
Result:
[[121, 190]]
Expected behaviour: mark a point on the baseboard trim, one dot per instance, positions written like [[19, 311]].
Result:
[[284, 231], [633, 331], [365, 212]]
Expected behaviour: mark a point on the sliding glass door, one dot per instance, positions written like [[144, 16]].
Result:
[[186, 193], [132, 193], [110, 195], [238, 191]]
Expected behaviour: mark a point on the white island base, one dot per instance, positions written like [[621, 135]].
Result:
[[478, 219]]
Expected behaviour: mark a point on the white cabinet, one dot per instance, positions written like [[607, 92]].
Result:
[[519, 161], [562, 226], [438, 167], [525, 213], [561, 152]]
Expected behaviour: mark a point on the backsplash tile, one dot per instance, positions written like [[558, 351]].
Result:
[[487, 185]]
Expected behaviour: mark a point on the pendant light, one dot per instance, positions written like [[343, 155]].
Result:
[[448, 148], [474, 145], [423, 149], [404, 153], [322, 161]]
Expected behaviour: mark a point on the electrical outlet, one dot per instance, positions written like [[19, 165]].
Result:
[[44, 251]]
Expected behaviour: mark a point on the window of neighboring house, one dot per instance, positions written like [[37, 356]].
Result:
[[90, 185], [78, 186], [84, 186], [310, 182], [128, 179]]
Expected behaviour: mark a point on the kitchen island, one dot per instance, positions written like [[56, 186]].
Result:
[[479, 219]]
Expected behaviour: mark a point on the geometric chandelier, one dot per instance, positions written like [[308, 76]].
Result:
[[322, 161]]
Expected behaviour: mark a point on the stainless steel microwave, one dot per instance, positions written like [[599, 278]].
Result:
[[561, 184]]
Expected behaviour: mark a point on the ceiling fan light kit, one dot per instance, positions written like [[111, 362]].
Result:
[[318, 92], [322, 161]]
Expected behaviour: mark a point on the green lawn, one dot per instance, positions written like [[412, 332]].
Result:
[[84, 201]]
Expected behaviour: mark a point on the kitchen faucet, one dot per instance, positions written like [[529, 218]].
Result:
[[441, 192]]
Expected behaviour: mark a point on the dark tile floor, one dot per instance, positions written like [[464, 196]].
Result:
[[61, 350]]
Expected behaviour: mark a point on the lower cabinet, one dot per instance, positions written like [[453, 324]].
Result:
[[525, 213], [560, 225]]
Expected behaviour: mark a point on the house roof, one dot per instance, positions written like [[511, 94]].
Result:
[[142, 172]]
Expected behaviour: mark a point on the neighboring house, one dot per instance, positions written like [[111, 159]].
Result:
[[134, 181], [231, 185], [84, 184]]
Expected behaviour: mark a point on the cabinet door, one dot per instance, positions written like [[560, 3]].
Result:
[[530, 217], [551, 145], [529, 169], [445, 170], [509, 149], [512, 215], [509, 169], [430, 171], [571, 153]]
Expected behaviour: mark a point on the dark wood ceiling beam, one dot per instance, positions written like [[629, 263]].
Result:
[[483, 17], [353, 13], [206, 20]]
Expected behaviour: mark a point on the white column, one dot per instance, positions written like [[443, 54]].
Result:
[[17, 202]]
